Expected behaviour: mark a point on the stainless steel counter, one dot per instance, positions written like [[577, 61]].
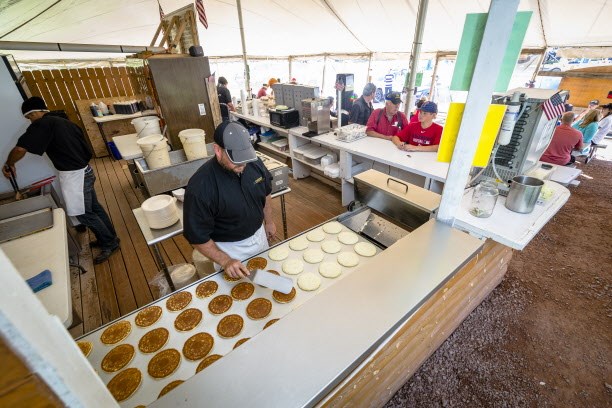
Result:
[[299, 359]]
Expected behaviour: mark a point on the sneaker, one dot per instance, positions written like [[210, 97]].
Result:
[[105, 254], [96, 244]]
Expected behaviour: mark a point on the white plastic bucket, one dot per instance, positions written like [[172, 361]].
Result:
[[146, 125], [154, 151], [194, 143]]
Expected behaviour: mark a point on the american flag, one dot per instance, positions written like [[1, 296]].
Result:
[[161, 11], [553, 108], [201, 13]]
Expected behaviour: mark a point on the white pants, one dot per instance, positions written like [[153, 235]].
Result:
[[246, 248]]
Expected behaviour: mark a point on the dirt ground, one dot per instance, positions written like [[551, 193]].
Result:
[[543, 337]]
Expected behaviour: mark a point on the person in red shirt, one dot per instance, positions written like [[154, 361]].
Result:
[[415, 116], [384, 123], [564, 140], [263, 91], [422, 136]]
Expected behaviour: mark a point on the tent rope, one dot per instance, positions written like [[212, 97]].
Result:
[[333, 11], [26, 22]]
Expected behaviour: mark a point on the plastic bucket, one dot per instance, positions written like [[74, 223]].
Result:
[[147, 125], [194, 143], [154, 151]]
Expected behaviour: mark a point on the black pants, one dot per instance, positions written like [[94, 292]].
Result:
[[95, 218]]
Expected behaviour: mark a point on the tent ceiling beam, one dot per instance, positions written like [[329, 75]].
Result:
[[69, 47]]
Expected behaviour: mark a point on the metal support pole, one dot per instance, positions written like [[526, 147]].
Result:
[[540, 62], [488, 63], [369, 73], [290, 67], [247, 74], [323, 81], [163, 266], [416, 54], [432, 86]]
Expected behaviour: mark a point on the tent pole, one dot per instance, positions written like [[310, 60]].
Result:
[[247, 74], [416, 53], [540, 62], [498, 29], [369, 73], [432, 86], [323, 80], [290, 66]]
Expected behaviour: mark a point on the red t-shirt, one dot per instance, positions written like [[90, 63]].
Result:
[[415, 118], [564, 140], [414, 134], [262, 92], [384, 127]]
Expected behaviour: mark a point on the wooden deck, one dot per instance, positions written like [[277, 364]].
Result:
[[122, 284]]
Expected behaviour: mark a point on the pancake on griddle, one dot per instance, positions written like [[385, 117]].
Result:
[[256, 263], [116, 332], [124, 384], [118, 358], [188, 319], [259, 308], [153, 340], [178, 301], [241, 341], [172, 385], [229, 278], [206, 289], [85, 346], [243, 291], [164, 363], [198, 346], [207, 361], [230, 326], [148, 316], [284, 298], [220, 304], [270, 323]]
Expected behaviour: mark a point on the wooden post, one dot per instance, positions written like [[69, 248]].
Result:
[[488, 63]]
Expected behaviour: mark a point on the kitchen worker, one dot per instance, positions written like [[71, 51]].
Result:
[[64, 143], [224, 94], [227, 209], [421, 136], [362, 108], [384, 123], [263, 91]]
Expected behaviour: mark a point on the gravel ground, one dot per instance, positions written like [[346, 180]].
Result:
[[543, 337]]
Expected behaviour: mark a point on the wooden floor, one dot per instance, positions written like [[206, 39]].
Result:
[[120, 285]]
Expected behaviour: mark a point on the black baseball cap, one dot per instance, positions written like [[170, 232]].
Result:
[[394, 97], [234, 138]]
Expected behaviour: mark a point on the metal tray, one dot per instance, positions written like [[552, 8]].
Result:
[[150, 387]]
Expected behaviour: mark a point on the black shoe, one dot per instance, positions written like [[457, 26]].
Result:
[[105, 254], [96, 244]]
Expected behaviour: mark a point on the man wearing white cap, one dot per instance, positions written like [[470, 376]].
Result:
[[64, 143], [227, 210]]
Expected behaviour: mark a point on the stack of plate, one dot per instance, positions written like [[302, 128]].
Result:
[[160, 211]]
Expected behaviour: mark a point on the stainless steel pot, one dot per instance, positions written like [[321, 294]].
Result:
[[523, 194]]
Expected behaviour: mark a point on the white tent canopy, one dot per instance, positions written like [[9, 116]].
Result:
[[294, 27]]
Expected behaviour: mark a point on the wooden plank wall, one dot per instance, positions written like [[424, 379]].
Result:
[[583, 90], [61, 88]]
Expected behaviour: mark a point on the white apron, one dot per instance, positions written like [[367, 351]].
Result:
[[246, 248], [71, 183]]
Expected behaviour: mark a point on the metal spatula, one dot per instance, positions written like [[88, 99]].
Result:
[[269, 280]]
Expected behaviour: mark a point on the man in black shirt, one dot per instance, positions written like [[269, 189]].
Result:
[[64, 143], [362, 108], [224, 94], [227, 210]]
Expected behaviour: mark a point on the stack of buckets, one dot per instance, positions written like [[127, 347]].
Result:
[[194, 143], [153, 144]]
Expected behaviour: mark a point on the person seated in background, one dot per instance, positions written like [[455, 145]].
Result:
[[362, 108], [263, 91], [293, 81], [414, 118], [384, 123], [592, 105], [588, 127], [422, 136], [604, 124], [565, 139]]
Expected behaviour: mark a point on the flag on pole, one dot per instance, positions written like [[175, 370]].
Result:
[[553, 108], [201, 13], [161, 11]]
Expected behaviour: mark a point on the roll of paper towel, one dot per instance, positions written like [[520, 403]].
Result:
[[243, 100], [256, 107]]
